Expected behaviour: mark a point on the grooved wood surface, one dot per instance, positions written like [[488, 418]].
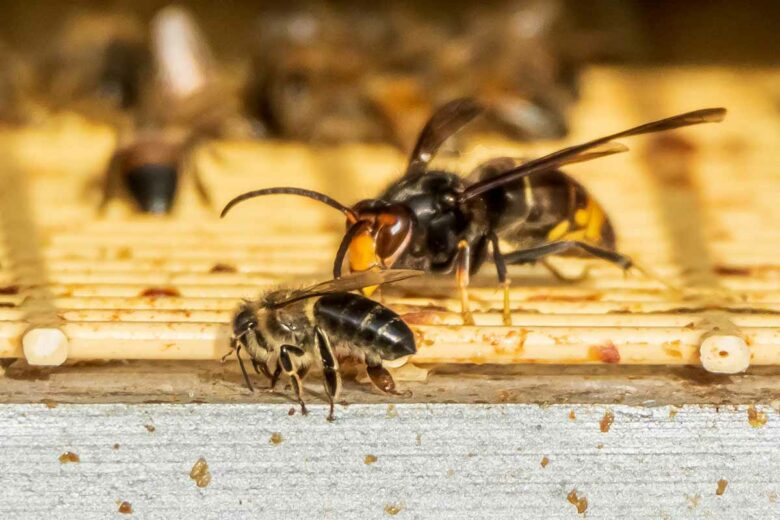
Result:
[[699, 206]]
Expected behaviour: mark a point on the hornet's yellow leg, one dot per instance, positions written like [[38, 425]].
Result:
[[463, 265]]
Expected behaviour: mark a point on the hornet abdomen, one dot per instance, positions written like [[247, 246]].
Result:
[[547, 207], [365, 324]]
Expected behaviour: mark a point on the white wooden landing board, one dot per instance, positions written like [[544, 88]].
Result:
[[432, 461]]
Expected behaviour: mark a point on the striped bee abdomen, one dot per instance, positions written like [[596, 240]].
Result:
[[364, 323]]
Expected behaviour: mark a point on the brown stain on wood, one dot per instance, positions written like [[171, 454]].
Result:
[[544, 462], [200, 473], [160, 292], [124, 253], [728, 270], [604, 353], [581, 503], [606, 422], [393, 509], [510, 343], [672, 349], [422, 318], [126, 508], [369, 459], [722, 483], [222, 268], [276, 439], [69, 458], [756, 418], [568, 298]]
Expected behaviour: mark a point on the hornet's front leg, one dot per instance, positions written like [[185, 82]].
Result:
[[330, 368], [462, 276], [291, 360]]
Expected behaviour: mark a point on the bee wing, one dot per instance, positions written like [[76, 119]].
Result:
[[503, 164], [348, 283], [443, 123], [585, 151]]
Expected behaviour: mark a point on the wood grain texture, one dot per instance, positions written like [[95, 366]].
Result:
[[432, 461]]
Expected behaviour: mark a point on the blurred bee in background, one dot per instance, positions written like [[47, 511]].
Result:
[[352, 73], [436, 221], [306, 75], [518, 65], [96, 64], [289, 331], [185, 103]]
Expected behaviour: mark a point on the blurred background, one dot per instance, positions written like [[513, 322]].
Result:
[[331, 72], [695, 31]]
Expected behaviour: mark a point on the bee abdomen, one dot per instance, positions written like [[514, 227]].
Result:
[[365, 323]]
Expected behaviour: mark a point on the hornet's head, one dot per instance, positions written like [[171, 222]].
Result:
[[378, 232]]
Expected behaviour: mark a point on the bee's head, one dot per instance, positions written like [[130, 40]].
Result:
[[244, 321]]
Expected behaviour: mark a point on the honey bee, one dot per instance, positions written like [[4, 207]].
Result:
[[186, 103], [289, 331]]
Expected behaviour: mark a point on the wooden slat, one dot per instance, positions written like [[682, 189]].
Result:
[[715, 234]]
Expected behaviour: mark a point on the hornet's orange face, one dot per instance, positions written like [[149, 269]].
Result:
[[377, 236], [378, 232]]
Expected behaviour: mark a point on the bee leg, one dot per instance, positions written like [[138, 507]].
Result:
[[330, 368], [275, 377], [110, 184], [498, 259], [289, 359], [462, 273], [189, 168], [383, 380], [562, 277], [229, 352], [243, 368], [262, 368]]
